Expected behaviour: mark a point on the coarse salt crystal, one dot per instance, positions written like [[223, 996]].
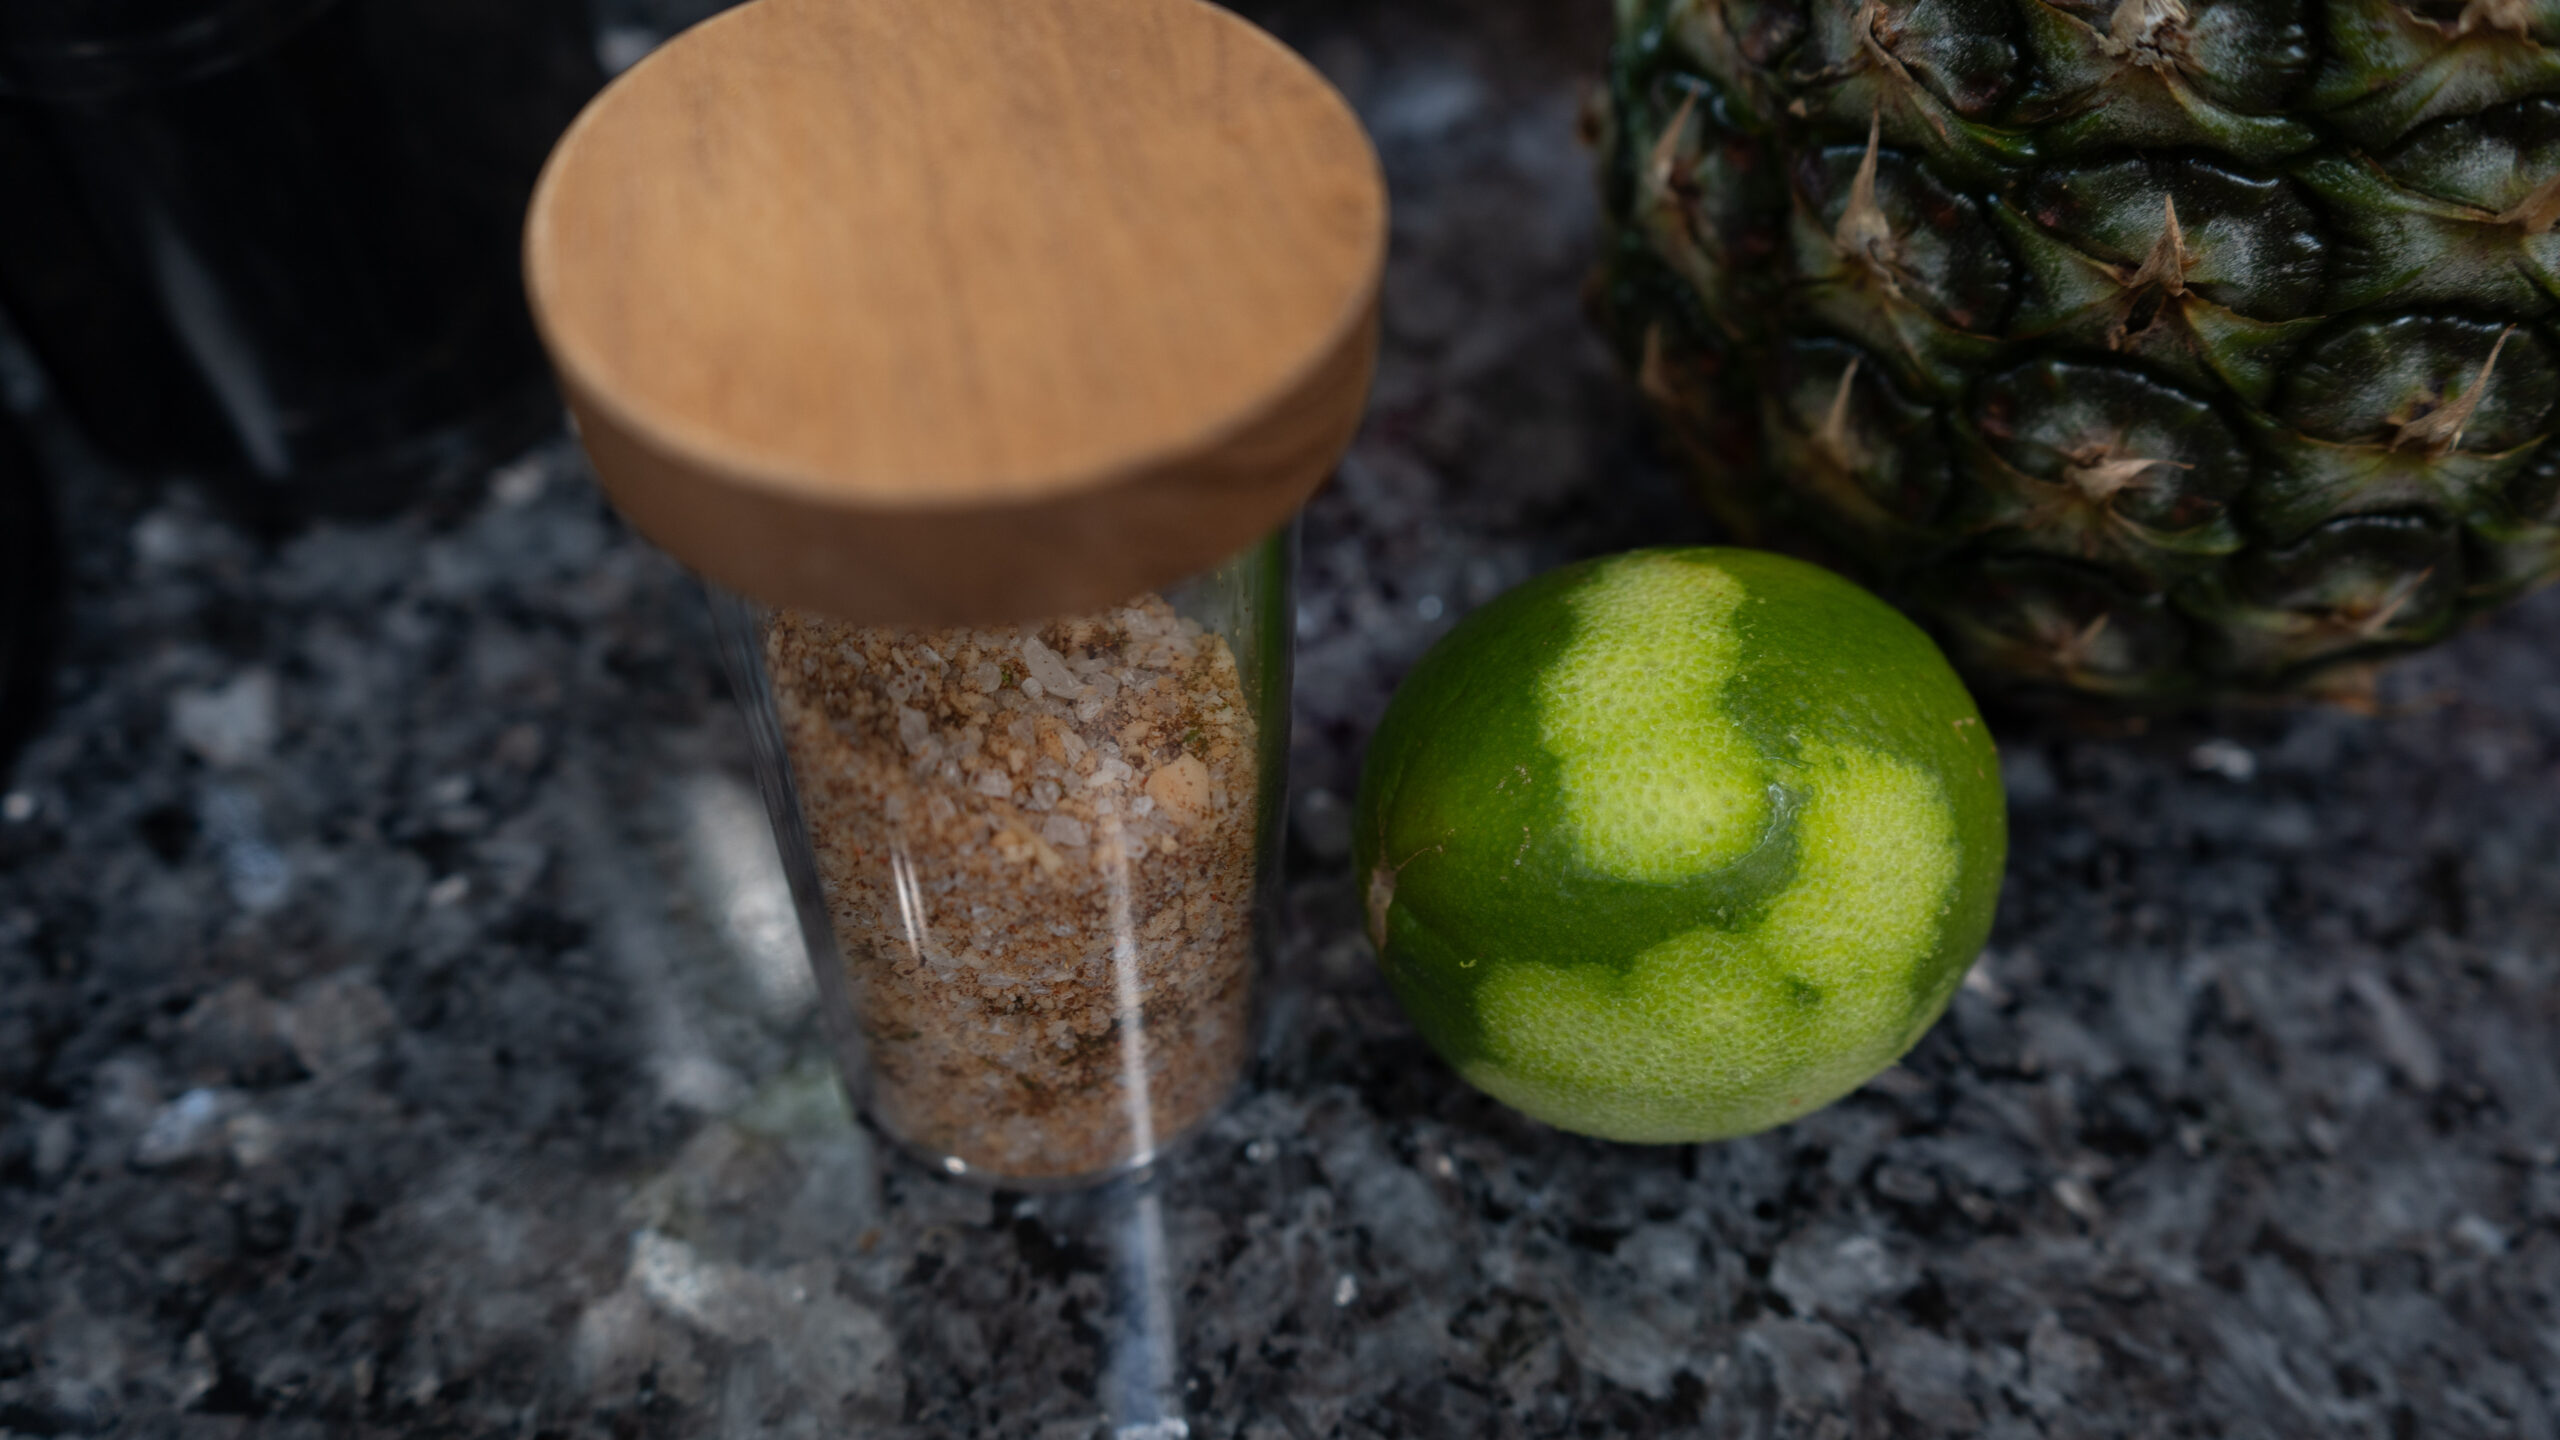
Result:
[[1047, 668]]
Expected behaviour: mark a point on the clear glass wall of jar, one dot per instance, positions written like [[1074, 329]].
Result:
[[1033, 863]]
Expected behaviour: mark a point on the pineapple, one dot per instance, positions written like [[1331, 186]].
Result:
[[2153, 348]]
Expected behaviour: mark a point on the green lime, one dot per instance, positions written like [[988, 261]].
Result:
[[1680, 844]]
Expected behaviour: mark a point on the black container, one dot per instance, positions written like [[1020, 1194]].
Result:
[[275, 240], [30, 579]]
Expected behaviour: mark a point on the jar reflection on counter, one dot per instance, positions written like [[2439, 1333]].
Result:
[[1032, 861]]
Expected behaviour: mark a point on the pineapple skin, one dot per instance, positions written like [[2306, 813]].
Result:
[[2160, 349]]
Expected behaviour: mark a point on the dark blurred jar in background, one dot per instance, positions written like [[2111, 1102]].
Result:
[[30, 582], [275, 241]]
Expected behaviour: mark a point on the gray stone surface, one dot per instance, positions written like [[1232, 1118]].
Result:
[[399, 1036]]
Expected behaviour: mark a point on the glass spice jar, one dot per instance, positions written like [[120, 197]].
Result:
[[995, 483]]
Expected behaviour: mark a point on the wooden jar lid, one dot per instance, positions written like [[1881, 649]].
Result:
[[961, 311]]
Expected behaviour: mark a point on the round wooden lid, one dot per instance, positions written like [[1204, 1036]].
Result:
[[961, 311]]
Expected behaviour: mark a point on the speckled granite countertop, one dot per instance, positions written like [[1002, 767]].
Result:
[[391, 1042]]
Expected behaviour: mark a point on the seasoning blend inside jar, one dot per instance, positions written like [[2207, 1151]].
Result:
[[980, 355]]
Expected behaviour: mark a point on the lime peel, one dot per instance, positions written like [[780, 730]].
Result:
[[1660, 782], [1771, 845], [1819, 974]]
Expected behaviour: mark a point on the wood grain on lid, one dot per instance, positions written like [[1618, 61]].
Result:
[[847, 260]]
